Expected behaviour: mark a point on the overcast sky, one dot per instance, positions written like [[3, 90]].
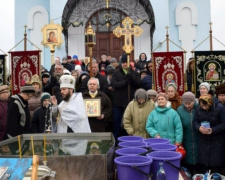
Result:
[[218, 20]]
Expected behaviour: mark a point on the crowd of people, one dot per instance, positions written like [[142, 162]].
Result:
[[54, 102]]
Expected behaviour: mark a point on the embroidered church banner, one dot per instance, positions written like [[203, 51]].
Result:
[[209, 67], [2, 70], [24, 64], [169, 68]]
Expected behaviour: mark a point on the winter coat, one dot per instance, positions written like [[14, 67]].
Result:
[[211, 147], [175, 101], [147, 82], [102, 82], [120, 82], [166, 123], [18, 116], [3, 118], [189, 133], [135, 117], [34, 102], [39, 121], [97, 125]]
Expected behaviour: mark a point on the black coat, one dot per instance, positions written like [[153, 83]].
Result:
[[97, 125], [211, 147], [14, 124], [40, 120], [120, 82], [102, 82]]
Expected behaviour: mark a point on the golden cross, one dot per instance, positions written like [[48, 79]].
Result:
[[127, 32], [107, 3]]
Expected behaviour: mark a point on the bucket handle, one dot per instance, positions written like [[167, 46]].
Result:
[[142, 172], [149, 150], [177, 168]]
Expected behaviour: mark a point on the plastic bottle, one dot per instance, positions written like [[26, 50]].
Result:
[[161, 175]]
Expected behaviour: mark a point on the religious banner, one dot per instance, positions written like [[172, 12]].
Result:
[[169, 68], [209, 67], [2, 70], [24, 64]]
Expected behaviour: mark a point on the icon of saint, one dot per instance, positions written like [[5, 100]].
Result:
[[51, 37], [169, 79], [212, 74]]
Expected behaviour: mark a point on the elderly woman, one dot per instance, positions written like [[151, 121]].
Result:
[[209, 121], [204, 88], [164, 122], [136, 114], [186, 112], [174, 98]]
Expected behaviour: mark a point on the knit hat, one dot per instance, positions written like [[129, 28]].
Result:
[[124, 58], [140, 93], [171, 84], [35, 79], [207, 98], [44, 96], [45, 74], [161, 94], [78, 68], [112, 60], [220, 89], [188, 97], [75, 57], [27, 89], [151, 92], [206, 85], [64, 58], [57, 59], [68, 57], [110, 71], [4, 89], [143, 71], [67, 81]]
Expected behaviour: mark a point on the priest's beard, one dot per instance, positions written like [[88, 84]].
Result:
[[67, 96]]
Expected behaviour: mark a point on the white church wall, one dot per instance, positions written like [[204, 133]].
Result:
[[189, 24]]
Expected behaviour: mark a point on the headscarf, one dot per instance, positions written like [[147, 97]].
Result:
[[207, 98]]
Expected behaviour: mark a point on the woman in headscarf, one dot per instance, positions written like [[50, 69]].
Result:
[[174, 98], [186, 112], [136, 114], [209, 121], [164, 122]]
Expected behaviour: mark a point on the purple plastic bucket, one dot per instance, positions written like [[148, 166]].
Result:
[[151, 141], [132, 144], [162, 156], [125, 171], [130, 139], [162, 147], [132, 151]]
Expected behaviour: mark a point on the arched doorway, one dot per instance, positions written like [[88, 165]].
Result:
[[77, 13], [104, 21]]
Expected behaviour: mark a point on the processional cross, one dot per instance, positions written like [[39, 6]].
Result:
[[127, 32]]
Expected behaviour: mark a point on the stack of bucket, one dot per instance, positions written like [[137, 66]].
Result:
[[139, 158]]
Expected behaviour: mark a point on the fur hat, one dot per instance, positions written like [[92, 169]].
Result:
[[44, 96], [45, 74], [112, 60], [66, 72], [206, 85], [67, 81], [27, 89], [220, 89], [4, 89], [163, 95], [140, 93], [35, 79], [188, 97]]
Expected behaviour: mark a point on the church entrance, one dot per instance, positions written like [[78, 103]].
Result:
[[104, 22]]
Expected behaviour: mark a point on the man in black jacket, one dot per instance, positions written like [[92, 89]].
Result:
[[18, 114], [125, 81]]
